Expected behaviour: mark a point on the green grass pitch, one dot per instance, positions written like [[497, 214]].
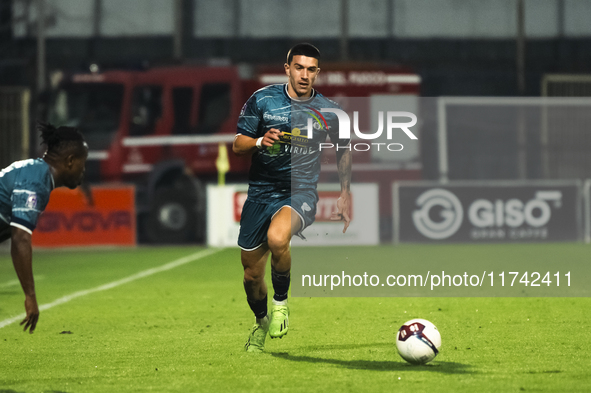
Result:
[[183, 330]]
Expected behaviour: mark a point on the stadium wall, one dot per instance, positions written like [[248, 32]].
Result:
[[449, 66]]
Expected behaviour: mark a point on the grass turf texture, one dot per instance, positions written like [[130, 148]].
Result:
[[183, 330]]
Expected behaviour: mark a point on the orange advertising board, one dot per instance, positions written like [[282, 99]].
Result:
[[73, 219]]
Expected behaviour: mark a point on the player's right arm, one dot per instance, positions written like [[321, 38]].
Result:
[[246, 145], [22, 259], [29, 199]]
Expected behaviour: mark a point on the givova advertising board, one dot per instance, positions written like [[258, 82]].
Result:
[[486, 212], [72, 219]]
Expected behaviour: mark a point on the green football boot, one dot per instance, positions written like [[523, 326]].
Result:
[[256, 338], [279, 321]]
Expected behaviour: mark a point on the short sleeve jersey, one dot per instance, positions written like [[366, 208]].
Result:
[[294, 162], [24, 193]]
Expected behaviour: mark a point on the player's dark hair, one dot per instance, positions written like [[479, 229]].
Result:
[[303, 49], [60, 139]]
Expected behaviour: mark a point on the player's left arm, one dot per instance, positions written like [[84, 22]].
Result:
[[343, 212]]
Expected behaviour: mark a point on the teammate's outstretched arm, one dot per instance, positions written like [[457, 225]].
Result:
[[344, 202], [22, 258], [245, 145]]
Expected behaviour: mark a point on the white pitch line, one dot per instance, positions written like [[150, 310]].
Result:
[[12, 283], [145, 273], [9, 283]]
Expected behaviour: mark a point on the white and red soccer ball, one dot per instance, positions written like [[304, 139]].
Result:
[[418, 341]]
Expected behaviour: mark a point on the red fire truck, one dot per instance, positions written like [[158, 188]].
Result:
[[161, 129]]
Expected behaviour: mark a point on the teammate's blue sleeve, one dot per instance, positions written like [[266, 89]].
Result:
[[249, 119], [29, 199]]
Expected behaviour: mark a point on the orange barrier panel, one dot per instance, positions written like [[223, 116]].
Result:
[[71, 219]]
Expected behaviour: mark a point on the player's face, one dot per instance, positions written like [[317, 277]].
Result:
[[302, 73], [75, 170]]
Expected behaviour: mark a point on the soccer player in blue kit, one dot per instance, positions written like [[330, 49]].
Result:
[[283, 175], [24, 193]]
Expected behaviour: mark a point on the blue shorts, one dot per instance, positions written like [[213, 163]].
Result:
[[256, 217], [5, 231]]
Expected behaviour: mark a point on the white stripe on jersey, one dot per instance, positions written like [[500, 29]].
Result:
[[276, 109], [26, 209], [24, 228], [264, 98]]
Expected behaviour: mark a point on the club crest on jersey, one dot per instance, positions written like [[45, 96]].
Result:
[[317, 116]]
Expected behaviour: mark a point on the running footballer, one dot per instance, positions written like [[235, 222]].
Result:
[[282, 194]]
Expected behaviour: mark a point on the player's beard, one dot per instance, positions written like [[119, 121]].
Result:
[[302, 89]]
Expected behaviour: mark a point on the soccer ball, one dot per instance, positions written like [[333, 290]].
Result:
[[418, 341]]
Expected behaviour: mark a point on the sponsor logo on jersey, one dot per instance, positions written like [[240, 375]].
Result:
[[295, 138], [269, 117]]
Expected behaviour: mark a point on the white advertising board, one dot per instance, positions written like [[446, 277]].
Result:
[[224, 206]]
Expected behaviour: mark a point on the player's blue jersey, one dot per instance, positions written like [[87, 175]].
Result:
[[24, 193], [294, 162]]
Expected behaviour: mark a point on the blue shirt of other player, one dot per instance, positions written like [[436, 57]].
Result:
[[24, 193]]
